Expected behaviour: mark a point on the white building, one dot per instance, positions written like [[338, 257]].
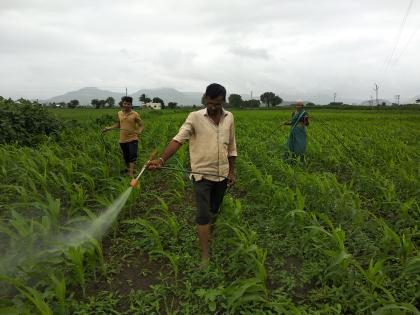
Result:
[[151, 105]]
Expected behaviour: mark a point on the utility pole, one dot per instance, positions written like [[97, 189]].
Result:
[[335, 96], [376, 91], [251, 95], [125, 91], [397, 98]]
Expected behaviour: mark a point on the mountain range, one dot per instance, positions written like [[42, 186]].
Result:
[[86, 94]]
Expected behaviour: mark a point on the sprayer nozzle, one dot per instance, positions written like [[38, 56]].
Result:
[[134, 182]]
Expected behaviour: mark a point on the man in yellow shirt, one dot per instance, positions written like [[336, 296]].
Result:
[[130, 125], [211, 135]]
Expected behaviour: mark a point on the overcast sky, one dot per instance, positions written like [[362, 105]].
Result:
[[291, 47]]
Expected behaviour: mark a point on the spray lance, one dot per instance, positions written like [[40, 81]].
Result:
[[134, 181]]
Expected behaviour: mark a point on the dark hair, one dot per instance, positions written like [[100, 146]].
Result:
[[127, 99], [214, 90]]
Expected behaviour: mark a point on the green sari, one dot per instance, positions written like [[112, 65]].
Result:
[[296, 142]]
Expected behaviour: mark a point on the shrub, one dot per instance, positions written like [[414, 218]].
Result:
[[25, 122]]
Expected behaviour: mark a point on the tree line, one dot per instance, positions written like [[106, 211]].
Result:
[[269, 99]]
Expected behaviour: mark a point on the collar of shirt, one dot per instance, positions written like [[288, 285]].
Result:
[[125, 115], [222, 117]]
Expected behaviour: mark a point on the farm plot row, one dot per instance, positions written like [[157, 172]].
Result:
[[337, 236]]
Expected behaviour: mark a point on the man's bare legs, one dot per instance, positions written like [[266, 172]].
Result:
[[203, 232], [130, 168]]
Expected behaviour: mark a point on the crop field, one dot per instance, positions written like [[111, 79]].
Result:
[[340, 235]]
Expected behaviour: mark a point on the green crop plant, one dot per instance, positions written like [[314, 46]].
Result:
[[94, 254], [76, 257], [376, 278], [391, 240], [299, 213], [173, 259], [171, 222], [339, 256], [339, 236], [412, 266], [144, 227], [244, 294], [34, 296], [403, 308], [59, 285], [211, 297], [232, 210]]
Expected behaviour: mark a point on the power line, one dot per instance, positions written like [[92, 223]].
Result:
[[388, 60], [406, 44]]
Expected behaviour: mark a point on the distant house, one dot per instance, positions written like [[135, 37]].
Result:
[[151, 105]]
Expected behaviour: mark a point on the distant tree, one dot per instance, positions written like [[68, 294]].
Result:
[[95, 102], [251, 103], [159, 100], [235, 100], [277, 100], [62, 104], [418, 101], [172, 105], [310, 104], [144, 99], [110, 101], [73, 104], [102, 103], [270, 99]]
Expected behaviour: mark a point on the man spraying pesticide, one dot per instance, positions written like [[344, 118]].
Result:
[[212, 146], [130, 125]]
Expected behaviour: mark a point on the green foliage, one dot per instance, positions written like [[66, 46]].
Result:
[[172, 105], [73, 104], [270, 99], [143, 98], [339, 236], [235, 100], [26, 123]]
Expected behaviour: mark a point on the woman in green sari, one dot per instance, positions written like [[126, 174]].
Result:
[[296, 142]]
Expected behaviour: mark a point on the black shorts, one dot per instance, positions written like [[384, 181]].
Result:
[[129, 151], [208, 197]]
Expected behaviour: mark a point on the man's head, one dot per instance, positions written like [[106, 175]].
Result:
[[214, 97], [126, 102]]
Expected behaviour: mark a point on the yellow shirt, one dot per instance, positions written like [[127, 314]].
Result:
[[128, 126], [210, 145]]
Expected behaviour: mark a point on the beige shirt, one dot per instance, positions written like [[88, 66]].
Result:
[[210, 144], [128, 125]]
